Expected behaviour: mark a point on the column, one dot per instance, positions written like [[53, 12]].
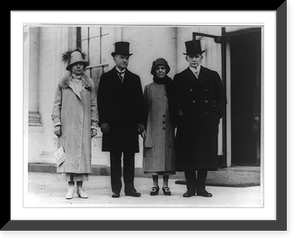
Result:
[[33, 76], [33, 129], [53, 42]]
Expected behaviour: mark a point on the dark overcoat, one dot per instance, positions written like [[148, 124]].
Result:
[[121, 105], [202, 102]]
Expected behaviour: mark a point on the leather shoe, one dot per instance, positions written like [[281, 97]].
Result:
[[81, 194], [204, 193], [70, 194], [189, 194], [133, 194], [154, 191], [166, 191], [115, 195]]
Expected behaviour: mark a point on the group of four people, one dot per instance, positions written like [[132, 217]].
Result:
[[177, 119]]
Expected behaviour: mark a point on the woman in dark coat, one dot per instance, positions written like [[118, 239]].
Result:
[[199, 103], [159, 151]]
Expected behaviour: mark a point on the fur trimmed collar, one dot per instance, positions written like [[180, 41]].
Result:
[[86, 81]]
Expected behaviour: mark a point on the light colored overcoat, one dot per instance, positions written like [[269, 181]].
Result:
[[77, 114], [159, 151]]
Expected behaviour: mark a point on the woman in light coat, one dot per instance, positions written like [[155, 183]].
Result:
[[75, 119], [159, 152]]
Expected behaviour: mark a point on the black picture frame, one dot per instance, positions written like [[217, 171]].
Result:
[[279, 224]]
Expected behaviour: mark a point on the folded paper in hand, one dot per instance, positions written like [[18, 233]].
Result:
[[60, 156]]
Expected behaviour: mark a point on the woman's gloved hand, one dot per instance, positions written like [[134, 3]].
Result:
[[57, 130]]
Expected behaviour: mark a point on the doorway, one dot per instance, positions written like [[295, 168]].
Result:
[[245, 51]]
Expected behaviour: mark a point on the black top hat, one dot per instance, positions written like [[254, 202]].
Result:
[[193, 47], [121, 48]]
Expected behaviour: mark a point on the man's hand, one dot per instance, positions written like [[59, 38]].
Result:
[[180, 113], [57, 130], [140, 128], [105, 128]]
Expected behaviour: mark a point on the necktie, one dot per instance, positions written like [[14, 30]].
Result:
[[121, 76], [196, 73]]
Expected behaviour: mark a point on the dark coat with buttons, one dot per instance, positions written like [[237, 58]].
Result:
[[121, 105], [199, 105]]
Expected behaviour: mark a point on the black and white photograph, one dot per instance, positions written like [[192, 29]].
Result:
[[135, 121], [133, 117], [121, 116]]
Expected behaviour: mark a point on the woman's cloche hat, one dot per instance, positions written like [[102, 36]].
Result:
[[157, 62], [193, 47], [73, 57], [121, 48]]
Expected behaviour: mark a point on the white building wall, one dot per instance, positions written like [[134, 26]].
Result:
[[46, 45]]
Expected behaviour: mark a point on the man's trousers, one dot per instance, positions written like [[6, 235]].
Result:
[[196, 179], [116, 171]]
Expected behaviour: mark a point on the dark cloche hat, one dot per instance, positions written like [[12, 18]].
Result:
[[121, 48], [193, 47], [160, 61]]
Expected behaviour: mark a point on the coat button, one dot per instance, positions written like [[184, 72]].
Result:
[[206, 89], [191, 90], [193, 101], [164, 122], [206, 101], [164, 128]]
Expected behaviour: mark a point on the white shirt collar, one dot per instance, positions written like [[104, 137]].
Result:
[[198, 68], [194, 70], [120, 70]]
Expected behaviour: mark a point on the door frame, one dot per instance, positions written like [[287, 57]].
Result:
[[223, 40]]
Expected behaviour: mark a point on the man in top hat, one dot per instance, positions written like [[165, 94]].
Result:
[[199, 105], [121, 119]]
